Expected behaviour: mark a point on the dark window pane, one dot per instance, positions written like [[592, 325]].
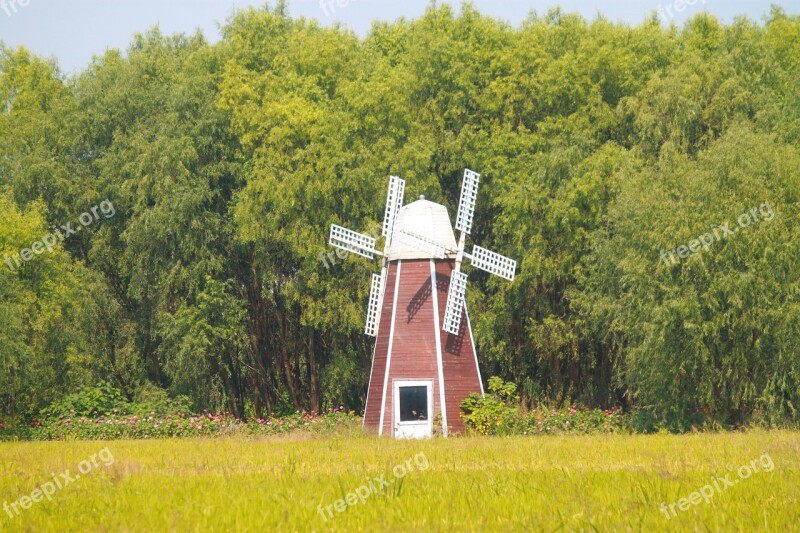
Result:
[[413, 403]]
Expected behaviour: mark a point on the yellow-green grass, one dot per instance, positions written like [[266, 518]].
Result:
[[570, 483]]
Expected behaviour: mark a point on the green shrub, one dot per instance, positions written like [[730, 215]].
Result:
[[151, 399], [89, 401], [104, 400], [495, 413]]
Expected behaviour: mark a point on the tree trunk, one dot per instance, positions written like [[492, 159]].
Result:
[[287, 365], [313, 375]]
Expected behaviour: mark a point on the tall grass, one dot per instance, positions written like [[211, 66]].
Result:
[[599, 482]]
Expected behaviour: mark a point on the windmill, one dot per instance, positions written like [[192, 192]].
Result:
[[419, 373]]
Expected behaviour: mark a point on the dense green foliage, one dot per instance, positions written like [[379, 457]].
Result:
[[600, 144], [103, 399]]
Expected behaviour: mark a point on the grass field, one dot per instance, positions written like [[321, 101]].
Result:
[[589, 483]]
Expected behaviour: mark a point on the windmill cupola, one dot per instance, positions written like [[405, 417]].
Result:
[[421, 228], [424, 363]]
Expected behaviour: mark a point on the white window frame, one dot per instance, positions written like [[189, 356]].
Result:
[[417, 424]]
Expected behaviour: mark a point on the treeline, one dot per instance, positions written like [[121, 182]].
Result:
[[603, 148]]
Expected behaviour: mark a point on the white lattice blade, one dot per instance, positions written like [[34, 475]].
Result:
[[466, 205], [352, 241], [422, 243], [394, 201], [374, 306], [456, 298], [493, 263]]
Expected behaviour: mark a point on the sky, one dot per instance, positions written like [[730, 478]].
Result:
[[73, 31]]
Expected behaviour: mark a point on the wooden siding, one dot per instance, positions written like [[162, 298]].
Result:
[[414, 354], [372, 410], [414, 349], [461, 375]]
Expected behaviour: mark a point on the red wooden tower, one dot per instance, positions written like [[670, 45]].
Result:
[[424, 363]]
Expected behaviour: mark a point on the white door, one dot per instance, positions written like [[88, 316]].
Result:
[[413, 406]]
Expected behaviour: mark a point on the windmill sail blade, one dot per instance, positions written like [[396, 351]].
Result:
[[423, 243], [394, 201], [455, 302], [374, 306], [466, 205], [493, 263], [349, 240]]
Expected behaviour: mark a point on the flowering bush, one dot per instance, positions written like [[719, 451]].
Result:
[[498, 413], [102, 413], [576, 420], [108, 426]]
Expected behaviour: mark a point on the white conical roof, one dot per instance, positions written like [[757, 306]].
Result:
[[427, 220]]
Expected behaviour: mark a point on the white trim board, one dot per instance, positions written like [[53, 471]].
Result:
[[474, 349], [391, 342], [438, 336]]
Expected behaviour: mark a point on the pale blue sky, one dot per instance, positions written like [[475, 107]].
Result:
[[75, 30]]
